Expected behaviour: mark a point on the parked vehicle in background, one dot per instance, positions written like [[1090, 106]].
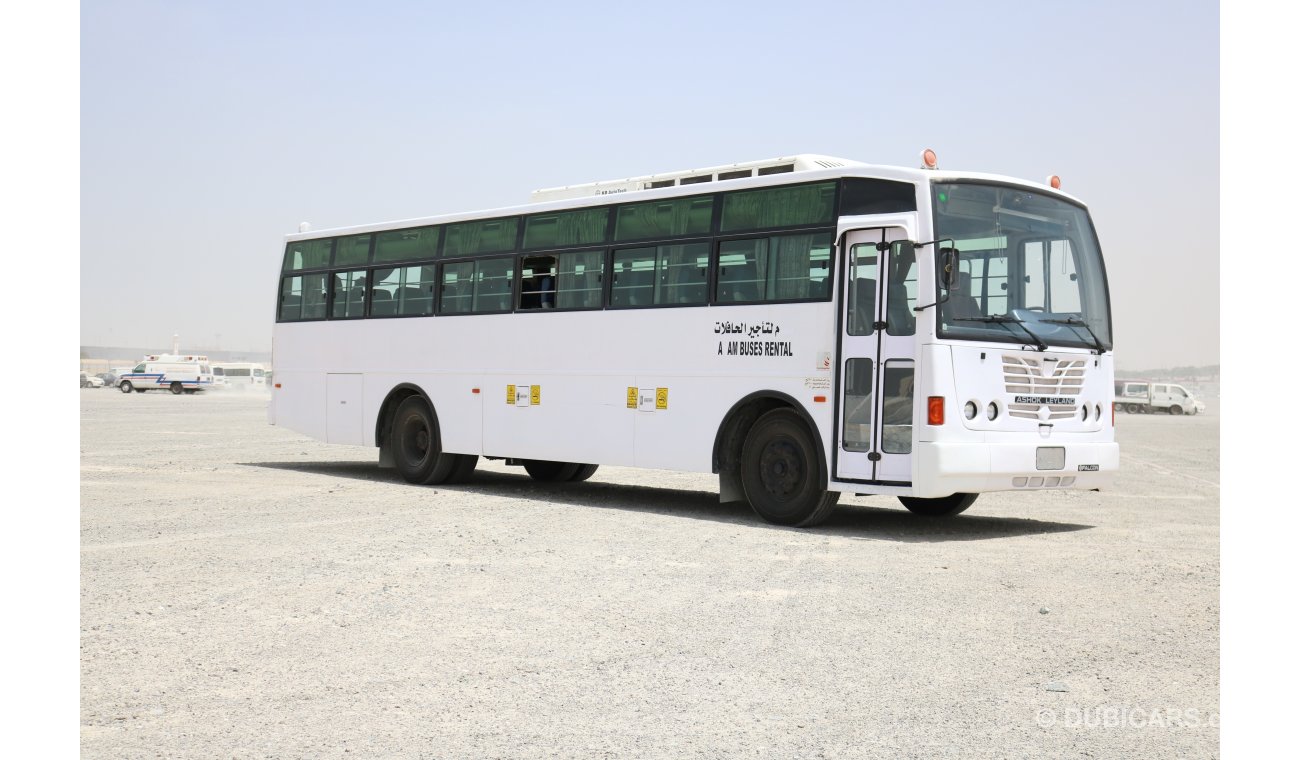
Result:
[[1142, 397], [174, 372], [241, 375], [89, 381], [110, 378]]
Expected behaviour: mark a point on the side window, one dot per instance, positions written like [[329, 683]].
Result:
[[349, 295], [138, 368], [537, 283], [407, 245], [682, 274], [901, 298], [774, 268], [303, 297], [402, 291], [582, 227], [353, 250], [862, 290], [307, 254], [456, 293], [581, 280], [668, 218], [634, 277], [483, 236], [494, 281]]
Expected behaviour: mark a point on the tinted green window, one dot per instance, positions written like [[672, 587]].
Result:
[[580, 280], [456, 295], [658, 219], [302, 297], [487, 236], [352, 250], [494, 282], [407, 245], [661, 275], [307, 254], [477, 286], [349, 294], [779, 207], [774, 268], [583, 227], [404, 291]]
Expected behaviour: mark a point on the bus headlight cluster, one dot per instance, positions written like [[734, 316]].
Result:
[[971, 410]]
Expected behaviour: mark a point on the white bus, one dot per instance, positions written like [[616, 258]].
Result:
[[240, 375], [801, 327], [178, 373]]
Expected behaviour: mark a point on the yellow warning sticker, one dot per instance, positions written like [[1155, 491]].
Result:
[[535, 395], [510, 395], [632, 398], [661, 398]]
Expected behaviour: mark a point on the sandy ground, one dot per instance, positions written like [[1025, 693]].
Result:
[[248, 592]]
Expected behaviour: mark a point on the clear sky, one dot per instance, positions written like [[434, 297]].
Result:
[[209, 130]]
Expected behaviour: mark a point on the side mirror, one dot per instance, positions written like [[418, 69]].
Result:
[[949, 273]]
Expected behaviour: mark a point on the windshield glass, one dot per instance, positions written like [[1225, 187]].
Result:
[[1024, 256]]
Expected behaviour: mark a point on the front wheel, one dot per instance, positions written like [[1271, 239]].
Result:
[[414, 443], [945, 506], [778, 472], [1175, 410], [177, 389], [126, 386]]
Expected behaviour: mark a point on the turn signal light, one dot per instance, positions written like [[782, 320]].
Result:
[[935, 410]]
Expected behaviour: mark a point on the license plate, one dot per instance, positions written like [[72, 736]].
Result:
[[1050, 458]]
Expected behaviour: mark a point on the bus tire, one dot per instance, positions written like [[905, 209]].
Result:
[[177, 388], [125, 386], [584, 471], [462, 468], [945, 506], [414, 443], [1175, 410], [550, 472], [779, 472]]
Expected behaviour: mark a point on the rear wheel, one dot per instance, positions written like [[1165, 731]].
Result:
[[778, 472], [414, 443], [945, 506], [584, 471], [126, 386], [1132, 408], [177, 388], [550, 472], [463, 467]]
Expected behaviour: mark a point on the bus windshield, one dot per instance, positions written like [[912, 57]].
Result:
[[1025, 258]]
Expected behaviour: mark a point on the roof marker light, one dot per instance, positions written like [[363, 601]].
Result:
[[1054, 181], [929, 160]]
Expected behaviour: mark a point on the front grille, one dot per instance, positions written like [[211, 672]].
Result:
[[1032, 376]]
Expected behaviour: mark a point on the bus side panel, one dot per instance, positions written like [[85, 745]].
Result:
[[676, 431], [577, 418], [300, 402], [459, 408]]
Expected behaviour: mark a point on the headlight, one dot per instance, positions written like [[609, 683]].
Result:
[[992, 410], [971, 410]]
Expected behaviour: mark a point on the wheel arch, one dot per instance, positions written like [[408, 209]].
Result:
[[738, 420], [388, 411]]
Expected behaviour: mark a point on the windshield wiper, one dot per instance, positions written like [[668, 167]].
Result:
[[1076, 322], [1004, 320]]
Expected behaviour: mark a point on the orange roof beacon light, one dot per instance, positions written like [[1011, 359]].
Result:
[[929, 159], [1054, 181]]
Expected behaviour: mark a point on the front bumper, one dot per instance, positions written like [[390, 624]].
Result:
[[947, 468]]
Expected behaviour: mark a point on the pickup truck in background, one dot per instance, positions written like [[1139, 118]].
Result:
[[1142, 397]]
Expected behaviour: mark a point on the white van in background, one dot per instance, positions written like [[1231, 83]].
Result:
[[1141, 397], [178, 373], [240, 375]]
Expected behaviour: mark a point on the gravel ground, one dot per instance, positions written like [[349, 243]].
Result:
[[247, 592]]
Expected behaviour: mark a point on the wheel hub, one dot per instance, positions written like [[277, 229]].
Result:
[[781, 469]]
